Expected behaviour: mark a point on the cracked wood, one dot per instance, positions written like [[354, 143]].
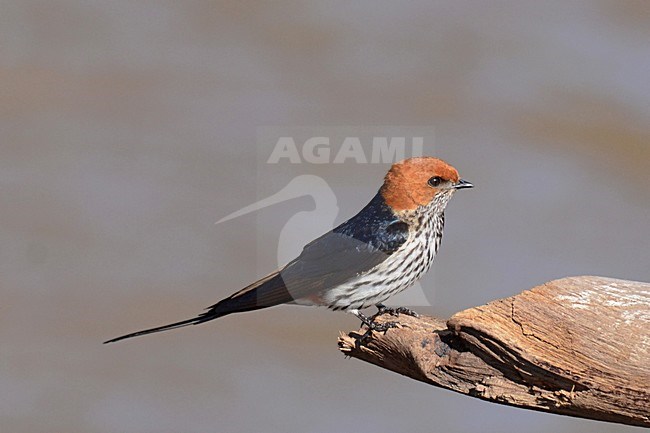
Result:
[[578, 346]]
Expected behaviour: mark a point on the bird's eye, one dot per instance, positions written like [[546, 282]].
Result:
[[435, 181]]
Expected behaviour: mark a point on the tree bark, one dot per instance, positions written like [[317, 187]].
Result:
[[578, 346]]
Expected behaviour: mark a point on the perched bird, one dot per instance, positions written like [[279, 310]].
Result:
[[377, 253]]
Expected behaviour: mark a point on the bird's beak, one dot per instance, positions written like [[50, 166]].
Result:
[[463, 184]]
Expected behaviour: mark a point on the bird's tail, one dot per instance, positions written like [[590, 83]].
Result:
[[263, 293], [205, 317]]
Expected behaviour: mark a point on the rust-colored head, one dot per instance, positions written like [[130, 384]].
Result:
[[415, 182]]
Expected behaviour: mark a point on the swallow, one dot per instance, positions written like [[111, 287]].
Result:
[[377, 253]]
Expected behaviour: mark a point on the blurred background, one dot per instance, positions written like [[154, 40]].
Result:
[[129, 128]]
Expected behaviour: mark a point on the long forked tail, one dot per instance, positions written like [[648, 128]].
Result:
[[263, 293], [205, 317]]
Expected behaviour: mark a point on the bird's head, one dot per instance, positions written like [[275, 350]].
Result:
[[419, 182]]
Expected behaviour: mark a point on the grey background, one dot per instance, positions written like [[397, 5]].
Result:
[[128, 128]]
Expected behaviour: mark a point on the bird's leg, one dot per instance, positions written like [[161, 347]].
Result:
[[382, 309], [372, 325]]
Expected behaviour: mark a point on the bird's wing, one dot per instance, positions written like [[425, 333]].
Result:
[[351, 249], [330, 260]]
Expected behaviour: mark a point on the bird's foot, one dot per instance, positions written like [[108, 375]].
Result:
[[377, 327], [382, 309], [373, 326]]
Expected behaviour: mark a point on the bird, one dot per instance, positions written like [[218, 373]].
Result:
[[379, 252]]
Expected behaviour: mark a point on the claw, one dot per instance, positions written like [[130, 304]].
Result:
[[372, 325], [377, 327], [382, 309], [406, 311]]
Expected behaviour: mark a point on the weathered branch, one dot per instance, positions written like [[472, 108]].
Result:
[[577, 346]]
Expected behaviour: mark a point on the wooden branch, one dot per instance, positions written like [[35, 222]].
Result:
[[578, 346]]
